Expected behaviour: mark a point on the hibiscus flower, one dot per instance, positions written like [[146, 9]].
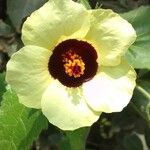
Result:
[[72, 65]]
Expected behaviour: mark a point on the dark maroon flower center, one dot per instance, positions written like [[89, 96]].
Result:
[[73, 62]]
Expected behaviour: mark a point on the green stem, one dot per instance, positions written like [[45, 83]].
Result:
[[77, 138], [138, 111], [143, 91], [147, 96]]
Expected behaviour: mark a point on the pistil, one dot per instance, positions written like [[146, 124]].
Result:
[[73, 64]]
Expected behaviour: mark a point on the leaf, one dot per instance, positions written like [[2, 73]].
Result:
[[2, 85], [5, 29], [64, 144], [132, 142], [139, 53], [19, 9], [77, 138], [19, 125], [144, 73]]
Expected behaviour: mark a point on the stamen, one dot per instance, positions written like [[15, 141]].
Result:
[[73, 64]]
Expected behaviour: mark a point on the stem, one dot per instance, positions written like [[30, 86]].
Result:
[[146, 95], [138, 111], [143, 91]]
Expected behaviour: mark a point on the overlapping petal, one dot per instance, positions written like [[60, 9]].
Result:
[[55, 21], [66, 107], [111, 35], [111, 89], [27, 73]]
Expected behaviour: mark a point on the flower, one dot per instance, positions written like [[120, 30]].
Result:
[[72, 65]]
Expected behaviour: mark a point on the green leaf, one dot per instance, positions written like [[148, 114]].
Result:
[[5, 29], [19, 125], [64, 144], [144, 73], [132, 142], [141, 99], [2, 85], [139, 53], [77, 138], [85, 3], [19, 9]]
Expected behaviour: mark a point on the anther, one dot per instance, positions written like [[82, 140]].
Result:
[[73, 64]]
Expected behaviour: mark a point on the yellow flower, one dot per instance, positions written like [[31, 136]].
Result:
[[72, 65]]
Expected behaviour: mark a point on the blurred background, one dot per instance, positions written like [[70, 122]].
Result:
[[128, 130]]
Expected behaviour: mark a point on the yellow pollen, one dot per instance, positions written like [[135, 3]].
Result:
[[73, 64]]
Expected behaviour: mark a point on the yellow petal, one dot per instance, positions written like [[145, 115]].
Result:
[[28, 74], [111, 35], [55, 21], [66, 107], [111, 89]]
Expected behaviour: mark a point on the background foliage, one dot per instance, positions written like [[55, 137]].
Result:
[[22, 128]]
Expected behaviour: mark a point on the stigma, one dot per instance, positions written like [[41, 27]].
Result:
[[73, 64]]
